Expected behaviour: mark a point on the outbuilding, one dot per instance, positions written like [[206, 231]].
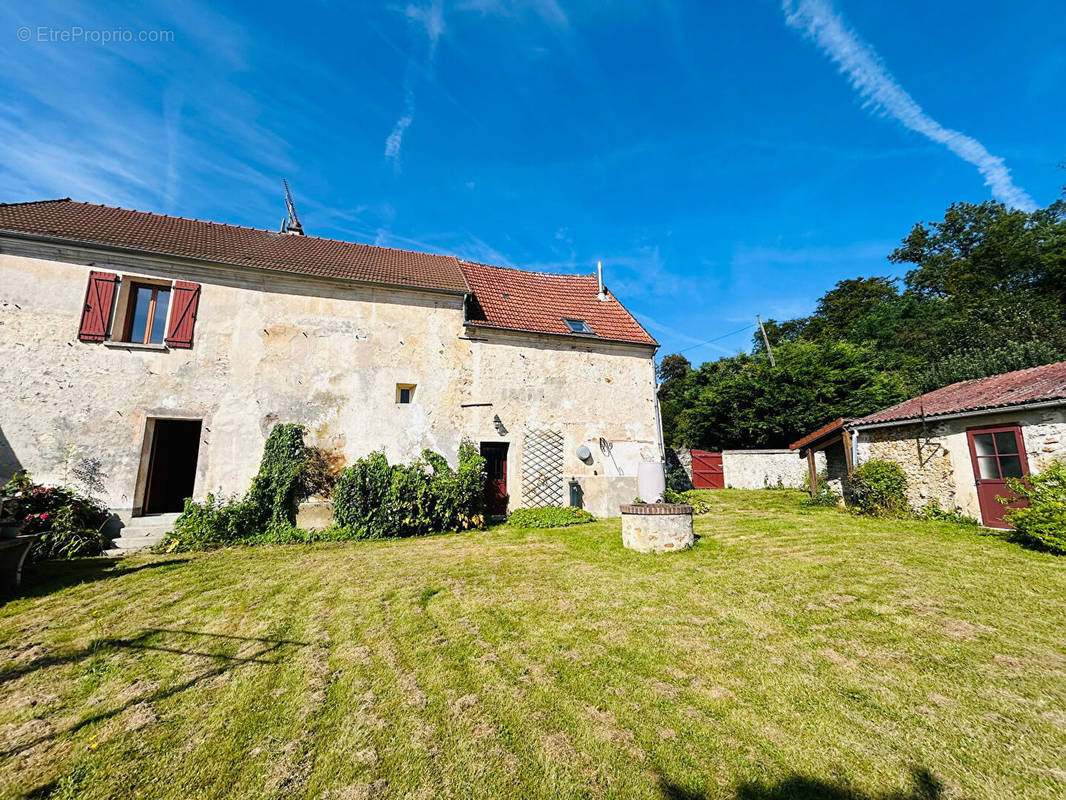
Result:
[[959, 444]]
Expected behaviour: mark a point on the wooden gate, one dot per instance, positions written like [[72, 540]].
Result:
[[707, 470]]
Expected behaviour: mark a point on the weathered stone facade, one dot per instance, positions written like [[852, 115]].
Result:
[[936, 456], [322, 352]]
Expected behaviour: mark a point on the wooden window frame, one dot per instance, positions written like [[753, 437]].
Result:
[[410, 387], [1006, 427], [131, 311]]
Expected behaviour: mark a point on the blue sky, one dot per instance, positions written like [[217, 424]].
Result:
[[722, 159]]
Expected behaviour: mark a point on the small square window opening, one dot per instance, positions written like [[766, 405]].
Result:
[[577, 326], [405, 393]]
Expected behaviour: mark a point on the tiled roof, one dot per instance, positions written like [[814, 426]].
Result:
[[231, 244], [1034, 385], [539, 302], [835, 426]]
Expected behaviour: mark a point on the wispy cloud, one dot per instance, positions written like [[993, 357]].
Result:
[[430, 17], [869, 76], [548, 10], [395, 140]]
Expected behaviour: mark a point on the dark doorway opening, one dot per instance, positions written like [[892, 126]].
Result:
[[495, 455], [172, 465]]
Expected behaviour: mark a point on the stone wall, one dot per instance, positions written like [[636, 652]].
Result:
[[764, 469], [936, 456], [925, 460], [275, 348]]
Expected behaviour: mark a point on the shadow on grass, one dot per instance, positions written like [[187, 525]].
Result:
[[800, 787], [46, 577], [220, 663]]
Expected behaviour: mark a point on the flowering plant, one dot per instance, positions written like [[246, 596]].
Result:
[[68, 523]]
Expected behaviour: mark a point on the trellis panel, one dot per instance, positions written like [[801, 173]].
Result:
[[542, 468]]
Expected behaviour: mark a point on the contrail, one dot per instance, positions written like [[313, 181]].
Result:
[[868, 75]]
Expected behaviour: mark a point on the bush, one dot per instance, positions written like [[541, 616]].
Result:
[[69, 523], [932, 512], [697, 498], [375, 499], [289, 473], [549, 517], [1043, 523], [824, 496], [877, 488]]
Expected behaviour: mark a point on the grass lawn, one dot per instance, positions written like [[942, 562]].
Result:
[[793, 653]]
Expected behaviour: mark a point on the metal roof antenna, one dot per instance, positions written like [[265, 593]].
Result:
[[602, 294], [292, 222]]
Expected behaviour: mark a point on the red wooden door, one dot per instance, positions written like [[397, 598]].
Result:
[[997, 453], [496, 497], [707, 470]]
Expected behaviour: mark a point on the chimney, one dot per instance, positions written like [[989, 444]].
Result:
[[602, 295]]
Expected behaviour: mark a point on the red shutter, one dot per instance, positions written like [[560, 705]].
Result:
[[184, 299], [97, 310]]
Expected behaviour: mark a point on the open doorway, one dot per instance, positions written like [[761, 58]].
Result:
[[175, 445], [495, 454]]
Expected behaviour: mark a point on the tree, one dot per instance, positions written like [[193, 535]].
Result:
[[978, 250], [672, 373], [744, 402], [852, 300]]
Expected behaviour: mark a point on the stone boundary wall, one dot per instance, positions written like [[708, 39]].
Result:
[[766, 469]]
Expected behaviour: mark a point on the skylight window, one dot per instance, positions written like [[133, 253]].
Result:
[[578, 326]]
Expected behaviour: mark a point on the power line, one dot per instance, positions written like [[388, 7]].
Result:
[[718, 338]]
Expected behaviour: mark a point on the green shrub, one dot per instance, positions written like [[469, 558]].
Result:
[[877, 488], [824, 496], [375, 499], [699, 499], [932, 512], [289, 473], [549, 517], [69, 523], [1042, 523]]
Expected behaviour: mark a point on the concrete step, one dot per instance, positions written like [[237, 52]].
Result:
[[141, 533]]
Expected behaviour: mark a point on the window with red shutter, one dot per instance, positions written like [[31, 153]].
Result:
[[96, 314], [183, 304]]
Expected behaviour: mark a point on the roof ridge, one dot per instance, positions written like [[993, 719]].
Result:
[[38, 202], [228, 225], [529, 271]]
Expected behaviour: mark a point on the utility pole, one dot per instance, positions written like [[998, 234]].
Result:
[[766, 341]]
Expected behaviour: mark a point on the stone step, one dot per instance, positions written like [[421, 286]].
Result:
[[141, 533], [125, 545]]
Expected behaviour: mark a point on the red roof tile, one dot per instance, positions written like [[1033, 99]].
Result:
[[539, 302], [231, 244], [1033, 385]]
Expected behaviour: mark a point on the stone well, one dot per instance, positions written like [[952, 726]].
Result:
[[657, 527]]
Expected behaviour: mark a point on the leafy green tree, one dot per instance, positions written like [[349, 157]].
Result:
[[673, 371], [744, 402], [980, 250]]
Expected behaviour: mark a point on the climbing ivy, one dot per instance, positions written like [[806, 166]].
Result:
[[290, 472]]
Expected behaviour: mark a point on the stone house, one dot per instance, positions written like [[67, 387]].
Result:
[[959, 444], [168, 347]]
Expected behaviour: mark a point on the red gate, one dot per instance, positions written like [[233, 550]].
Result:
[[707, 470]]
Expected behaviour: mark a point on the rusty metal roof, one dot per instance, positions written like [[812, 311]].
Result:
[[1024, 386]]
